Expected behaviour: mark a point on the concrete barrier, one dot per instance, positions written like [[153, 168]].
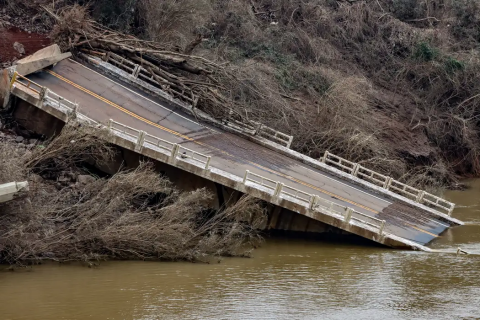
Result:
[[9, 191]]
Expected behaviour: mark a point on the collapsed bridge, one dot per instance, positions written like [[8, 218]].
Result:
[[304, 194]]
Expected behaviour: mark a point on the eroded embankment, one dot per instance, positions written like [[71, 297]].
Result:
[[27, 44], [72, 214]]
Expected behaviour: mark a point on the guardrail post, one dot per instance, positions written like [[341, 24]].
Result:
[[259, 128], [387, 183], [174, 153], [355, 169], [313, 201], [245, 177], [140, 140], [289, 143], [72, 115], [136, 71], [452, 206], [207, 165], [278, 189], [110, 123], [348, 215], [14, 78], [420, 196], [59, 101], [43, 93], [324, 158], [382, 227]]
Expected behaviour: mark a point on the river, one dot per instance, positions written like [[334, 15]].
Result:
[[285, 279]]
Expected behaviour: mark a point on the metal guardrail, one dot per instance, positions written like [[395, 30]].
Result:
[[388, 183], [142, 139]]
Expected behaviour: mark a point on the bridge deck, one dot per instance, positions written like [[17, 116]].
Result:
[[101, 99]]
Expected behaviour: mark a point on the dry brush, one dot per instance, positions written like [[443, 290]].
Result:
[[134, 214]]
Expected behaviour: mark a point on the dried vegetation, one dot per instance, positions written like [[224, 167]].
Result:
[[134, 214], [391, 84]]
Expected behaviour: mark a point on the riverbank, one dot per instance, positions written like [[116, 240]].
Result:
[[74, 212], [287, 278], [402, 103]]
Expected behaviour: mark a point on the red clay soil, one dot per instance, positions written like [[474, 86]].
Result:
[[32, 42]]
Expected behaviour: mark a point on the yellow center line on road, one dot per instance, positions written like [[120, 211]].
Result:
[[201, 143], [419, 229]]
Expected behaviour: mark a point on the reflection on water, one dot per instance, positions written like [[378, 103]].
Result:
[[285, 280]]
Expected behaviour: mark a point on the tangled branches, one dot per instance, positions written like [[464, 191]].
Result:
[[134, 214], [193, 79]]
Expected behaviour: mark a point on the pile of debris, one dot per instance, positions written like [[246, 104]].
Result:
[[193, 79]]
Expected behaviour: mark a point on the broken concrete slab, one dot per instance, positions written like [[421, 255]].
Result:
[[41, 59], [9, 191]]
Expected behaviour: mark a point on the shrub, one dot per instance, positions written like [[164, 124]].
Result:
[[452, 65], [425, 52]]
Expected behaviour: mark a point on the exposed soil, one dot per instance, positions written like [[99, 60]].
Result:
[[31, 42]]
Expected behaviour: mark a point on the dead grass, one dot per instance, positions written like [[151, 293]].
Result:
[[333, 72], [135, 214]]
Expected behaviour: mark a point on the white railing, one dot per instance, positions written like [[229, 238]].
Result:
[[314, 202], [185, 153], [121, 62], [26, 83], [61, 100], [388, 183], [340, 163], [272, 134], [277, 189], [260, 180], [159, 143], [296, 193], [123, 129]]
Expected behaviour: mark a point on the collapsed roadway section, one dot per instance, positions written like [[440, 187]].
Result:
[[249, 158]]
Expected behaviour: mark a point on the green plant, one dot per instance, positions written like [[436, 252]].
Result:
[[452, 65], [425, 52]]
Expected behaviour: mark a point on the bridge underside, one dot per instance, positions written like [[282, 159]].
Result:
[[102, 98]]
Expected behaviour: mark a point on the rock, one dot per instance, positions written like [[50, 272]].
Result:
[[19, 47], [63, 179], [85, 179], [35, 178], [19, 139]]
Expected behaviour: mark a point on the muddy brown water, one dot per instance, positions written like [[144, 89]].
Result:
[[285, 279]]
